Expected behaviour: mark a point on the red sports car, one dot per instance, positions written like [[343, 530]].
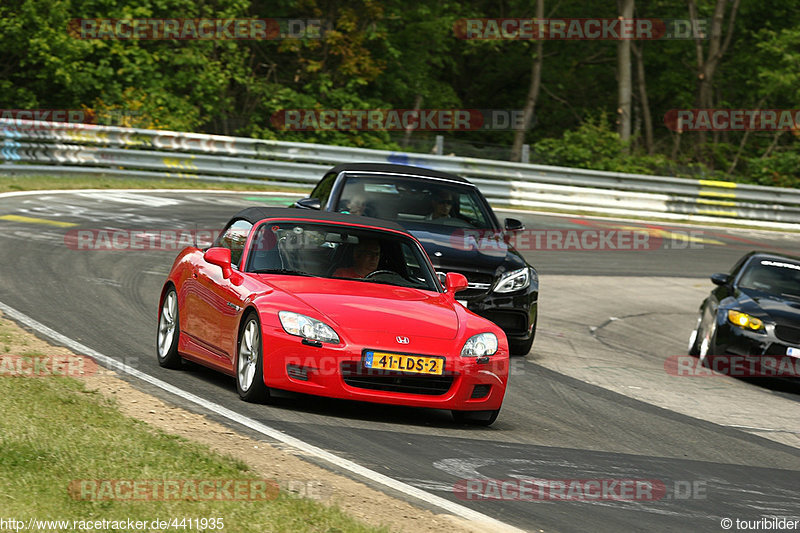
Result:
[[332, 305]]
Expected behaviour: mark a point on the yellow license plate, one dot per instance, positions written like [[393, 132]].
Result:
[[404, 363]]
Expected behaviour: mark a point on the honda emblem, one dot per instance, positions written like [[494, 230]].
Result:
[[402, 340]]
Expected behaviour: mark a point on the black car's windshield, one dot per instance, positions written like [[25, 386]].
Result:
[[779, 277], [433, 202], [335, 251]]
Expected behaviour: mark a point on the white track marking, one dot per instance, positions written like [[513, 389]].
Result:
[[131, 198], [309, 449]]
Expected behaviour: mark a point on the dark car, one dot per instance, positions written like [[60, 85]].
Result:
[[753, 312], [457, 227]]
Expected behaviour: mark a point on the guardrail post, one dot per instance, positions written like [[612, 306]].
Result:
[[525, 156]]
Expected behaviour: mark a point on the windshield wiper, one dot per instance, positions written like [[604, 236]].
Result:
[[283, 271]]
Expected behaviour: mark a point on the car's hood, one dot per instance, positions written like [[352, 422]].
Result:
[[471, 250], [782, 311], [364, 306]]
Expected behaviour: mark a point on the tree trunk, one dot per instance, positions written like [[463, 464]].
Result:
[[410, 129], [646, 116], [533, 92], [707, 63], [624, 75]]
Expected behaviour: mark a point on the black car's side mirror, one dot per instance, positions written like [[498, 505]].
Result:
[[308, 203], [512, 224], [720, 278]]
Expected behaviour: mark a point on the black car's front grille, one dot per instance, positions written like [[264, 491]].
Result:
[[509, 321], [788, 334], [479, 284], [355, 375]]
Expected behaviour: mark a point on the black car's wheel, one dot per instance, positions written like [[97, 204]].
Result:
[[168, 331], [522, 347], [707, 343], [475, 418], [250, 363], [695, 338]]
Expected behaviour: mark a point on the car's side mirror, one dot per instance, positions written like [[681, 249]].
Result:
[[309, 203], [455, 282], [220, 257], [512, 224], [720, 278]]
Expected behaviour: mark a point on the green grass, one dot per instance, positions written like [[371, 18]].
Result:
[[54, 431], [30, 183]]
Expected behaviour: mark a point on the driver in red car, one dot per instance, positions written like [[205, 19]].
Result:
[[366, 257]]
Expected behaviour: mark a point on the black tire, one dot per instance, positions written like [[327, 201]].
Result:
[[694, 344], [250, 362], [475, 418], [168, 331], [522, 348]]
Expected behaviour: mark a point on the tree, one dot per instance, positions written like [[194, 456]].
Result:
[[625, 84]]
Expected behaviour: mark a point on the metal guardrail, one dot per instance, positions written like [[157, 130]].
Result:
[[35, 147]]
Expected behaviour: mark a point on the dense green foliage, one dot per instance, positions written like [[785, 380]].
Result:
[[405, 54]]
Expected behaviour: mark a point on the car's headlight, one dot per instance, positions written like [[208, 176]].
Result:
[[514, 281], [310, 328], [480, 345], [745, 321]]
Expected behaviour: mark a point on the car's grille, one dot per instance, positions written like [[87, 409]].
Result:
[[481, 391], [479, 284], [788, 334], [510, 322], [355, 375]]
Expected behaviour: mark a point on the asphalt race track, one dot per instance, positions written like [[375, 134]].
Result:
[[589, 402]]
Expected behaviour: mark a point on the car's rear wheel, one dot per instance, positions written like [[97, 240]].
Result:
[[475, 418], [168, 331], [250, 363]]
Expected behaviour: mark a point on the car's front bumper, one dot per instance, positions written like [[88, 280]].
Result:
[[766, 348], [514, 313], [338, 372]]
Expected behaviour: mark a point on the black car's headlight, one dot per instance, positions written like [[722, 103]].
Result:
[[307, 327], [514, 281], [745, 321], [480, 345]]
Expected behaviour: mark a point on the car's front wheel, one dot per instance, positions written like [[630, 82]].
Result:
[[475, 418], [250, 363], [168, 331], [516, 347], [695, 337]]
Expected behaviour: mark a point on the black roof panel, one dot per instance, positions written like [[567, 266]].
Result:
[[256, 214], [391, 168]]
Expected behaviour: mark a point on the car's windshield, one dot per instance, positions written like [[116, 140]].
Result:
[[335, 251], [780, 277], [434, 202]]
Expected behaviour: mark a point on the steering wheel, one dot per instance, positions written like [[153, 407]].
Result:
[[379, 272]]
